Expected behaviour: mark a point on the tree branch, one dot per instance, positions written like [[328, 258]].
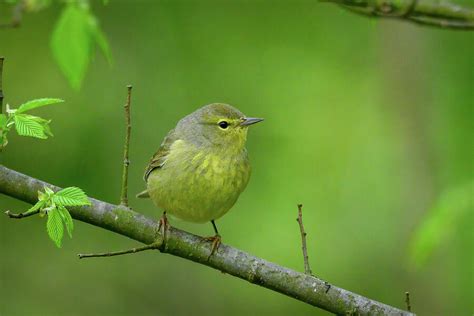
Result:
[[1, 83], [124, 221], [299, 219], [126, 161], [427, 12]]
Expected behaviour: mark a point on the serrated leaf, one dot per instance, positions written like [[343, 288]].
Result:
[[33, 104], [71, 196], [71, 43], [55, 227], [26, 126], [67, 219]]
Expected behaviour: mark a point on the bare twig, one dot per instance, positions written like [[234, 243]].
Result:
[[307, 269], [441, 14], [20, 215], [155, 246], [17, 15], [407, 301], [126, 161], [1, 83], [303, 287]]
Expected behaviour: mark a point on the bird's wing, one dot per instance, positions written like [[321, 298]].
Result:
[[159, 158]]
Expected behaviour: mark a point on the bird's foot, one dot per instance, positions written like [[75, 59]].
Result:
[[216, 242], [163, 226]]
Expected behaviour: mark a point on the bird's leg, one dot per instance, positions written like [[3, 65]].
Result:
[[216, 239], [163, 225]]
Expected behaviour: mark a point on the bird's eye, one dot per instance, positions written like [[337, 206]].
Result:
[[223, 124]]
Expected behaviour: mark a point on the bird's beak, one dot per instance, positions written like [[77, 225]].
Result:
[[246, 121]]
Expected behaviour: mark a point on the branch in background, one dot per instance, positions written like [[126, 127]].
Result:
[[307, 269], [427, 12], [1, 83], [17, 15], [126, 161], [407, 301], [232, 261]]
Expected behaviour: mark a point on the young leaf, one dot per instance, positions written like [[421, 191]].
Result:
[[37, 206], [26, 126], [71, 196], [99, 37], [67, 219], [55, 227], [33, 104], [71, 43]]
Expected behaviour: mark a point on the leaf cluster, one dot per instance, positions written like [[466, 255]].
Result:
[[53, 205], [26, 124]]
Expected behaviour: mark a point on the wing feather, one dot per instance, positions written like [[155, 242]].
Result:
[[159, 158]]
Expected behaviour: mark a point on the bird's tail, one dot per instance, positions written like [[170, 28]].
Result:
[[143, 195]]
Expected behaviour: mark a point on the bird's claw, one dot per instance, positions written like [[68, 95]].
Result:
[[163, 226], [216, 242]]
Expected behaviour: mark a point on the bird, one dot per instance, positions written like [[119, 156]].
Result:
[[201, 167]]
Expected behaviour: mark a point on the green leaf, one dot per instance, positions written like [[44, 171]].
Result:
[[37, 206], [71, 196], [71, 43], [100, 39], [33, 104], [452, 208], [55, 227], [74, 38], [48, 191], [67, 219], [27, 126]]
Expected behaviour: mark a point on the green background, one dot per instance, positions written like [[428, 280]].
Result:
[[367, 123]]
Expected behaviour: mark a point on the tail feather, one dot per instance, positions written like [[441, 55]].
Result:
[[143, 195]]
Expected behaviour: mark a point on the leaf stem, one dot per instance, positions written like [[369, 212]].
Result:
[[126, 161]]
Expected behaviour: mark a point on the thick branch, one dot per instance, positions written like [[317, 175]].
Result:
[[227, 259], [428, 12]]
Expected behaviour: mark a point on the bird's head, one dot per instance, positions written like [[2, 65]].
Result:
[[219, 124]]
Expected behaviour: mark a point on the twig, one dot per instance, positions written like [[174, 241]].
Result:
[[155, 245], [16, 16], [307, 269], [20, 215], [407, 301], [441, 14], [232, 261], [126, 161], [1, 83]]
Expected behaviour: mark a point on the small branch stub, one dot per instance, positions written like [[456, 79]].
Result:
[[126, 161], [20, 215], [307, 269]]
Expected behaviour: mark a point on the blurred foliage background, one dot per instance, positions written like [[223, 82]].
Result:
[[368, 124]]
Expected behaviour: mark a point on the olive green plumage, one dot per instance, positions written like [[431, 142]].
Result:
[[202, 165]]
